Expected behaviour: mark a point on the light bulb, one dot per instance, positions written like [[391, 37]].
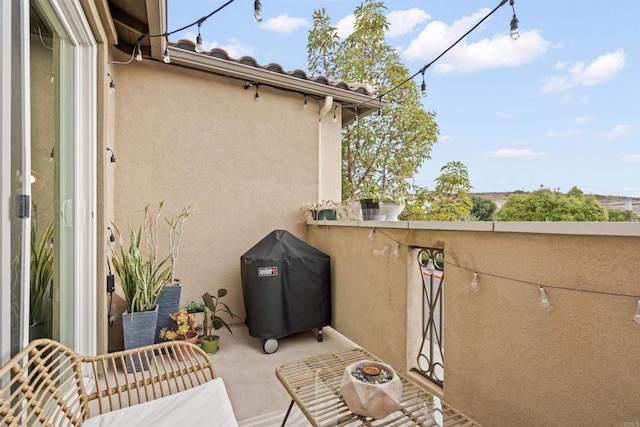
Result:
[[423, 89], [396, 251], [335, 117], [139, 54], [475, 286], [544, 301], [112, 87], [52, 77], [636, 318], [382, 252], [431, 267], [514, 28], [305, 105], [257, 11], [371, 234], [199, 48], [166, 58], [257, 97]]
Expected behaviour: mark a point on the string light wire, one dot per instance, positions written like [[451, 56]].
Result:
[[520, 281]]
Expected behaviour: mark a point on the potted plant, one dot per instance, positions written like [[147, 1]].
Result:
[[184, 327], [326, 209], [142, 278], [392, 203], [212, 321], [41, 277], [169, 298]]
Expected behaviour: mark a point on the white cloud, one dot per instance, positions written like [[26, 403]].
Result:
[[564, 132], [345, 26], [617, 132], [284, 24], [234, 48], [445, 138], [498, 51], [581, 120], [631, 158], [602, 69], [402, 22], [505, 116], [510, 153]]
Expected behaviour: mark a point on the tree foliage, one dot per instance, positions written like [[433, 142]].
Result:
[[483, 208], [547, 205], [618, 215], [451, 200], [377, 150]]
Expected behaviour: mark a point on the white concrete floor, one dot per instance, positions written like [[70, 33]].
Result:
[[249, 373]]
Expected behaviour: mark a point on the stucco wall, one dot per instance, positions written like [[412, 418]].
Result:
[[191, 138], [507, 362]]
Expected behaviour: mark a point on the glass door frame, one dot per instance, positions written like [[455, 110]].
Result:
[[76, 206]]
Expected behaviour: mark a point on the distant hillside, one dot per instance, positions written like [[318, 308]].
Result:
[[610, 202]]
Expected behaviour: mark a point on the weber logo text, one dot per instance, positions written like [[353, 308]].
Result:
[[267, 271]]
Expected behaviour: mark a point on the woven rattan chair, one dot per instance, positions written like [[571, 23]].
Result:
[[48, 384]]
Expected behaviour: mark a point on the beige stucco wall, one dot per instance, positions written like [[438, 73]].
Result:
[[192, 138], [507, 362]]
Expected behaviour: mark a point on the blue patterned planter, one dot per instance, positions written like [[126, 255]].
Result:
[[138, 330], [169, 302]]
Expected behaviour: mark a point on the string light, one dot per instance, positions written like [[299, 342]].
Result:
[[431, 267], [305, 105], [423, 86], [475, 286], [382, 252], [257, 97], [545, 304], [335, 114], [524, 282], [514, 23], [396, 250], [112, 159], [199, 48], [371, 234], [257, 11], [138, 51], [165, 57]]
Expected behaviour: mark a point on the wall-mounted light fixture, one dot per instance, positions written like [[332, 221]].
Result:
[[112, 84], [113, 156], [112, 237]]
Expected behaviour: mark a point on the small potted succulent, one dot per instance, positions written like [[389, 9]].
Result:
[[212, 320], [185, 327], [326, 209]]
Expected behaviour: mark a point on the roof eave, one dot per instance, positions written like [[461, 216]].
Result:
[[366, 104]]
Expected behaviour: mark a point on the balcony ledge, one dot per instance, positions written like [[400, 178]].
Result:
[[626, 229]]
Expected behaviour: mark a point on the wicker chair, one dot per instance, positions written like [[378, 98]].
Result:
[[48, 384]]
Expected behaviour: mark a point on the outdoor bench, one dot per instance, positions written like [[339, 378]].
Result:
[[48, 384]]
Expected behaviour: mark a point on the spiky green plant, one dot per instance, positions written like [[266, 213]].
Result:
[[142, 278], [41, 267]]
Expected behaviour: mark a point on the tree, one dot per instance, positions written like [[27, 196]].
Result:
[[377, 150], [547, 205], [483, 209], [617, 215], [451, 200]]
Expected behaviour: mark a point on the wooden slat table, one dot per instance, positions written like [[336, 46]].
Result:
[[314, 385]]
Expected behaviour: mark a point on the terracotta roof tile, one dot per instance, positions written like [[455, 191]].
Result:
[[363, 89]]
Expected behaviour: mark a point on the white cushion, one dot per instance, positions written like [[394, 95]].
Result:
[[202, 405]]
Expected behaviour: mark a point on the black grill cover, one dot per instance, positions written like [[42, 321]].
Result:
[[286, 285]]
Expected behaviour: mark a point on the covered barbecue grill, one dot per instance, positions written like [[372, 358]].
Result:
[[287, 288]]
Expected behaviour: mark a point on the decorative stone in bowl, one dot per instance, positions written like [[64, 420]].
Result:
[[371, 389]]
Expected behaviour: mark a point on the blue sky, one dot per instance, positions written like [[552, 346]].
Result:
[[559, 107]]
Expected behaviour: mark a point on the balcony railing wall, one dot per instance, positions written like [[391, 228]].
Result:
[[507, 362]]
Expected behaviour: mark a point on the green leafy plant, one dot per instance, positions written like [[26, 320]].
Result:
[[41, 270], [194, 307], [216, 307], [185, 325]]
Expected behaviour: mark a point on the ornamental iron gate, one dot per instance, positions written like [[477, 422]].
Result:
[[431, 355]]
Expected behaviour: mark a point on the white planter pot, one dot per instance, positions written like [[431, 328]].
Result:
[[375, 400], [391, 211]]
